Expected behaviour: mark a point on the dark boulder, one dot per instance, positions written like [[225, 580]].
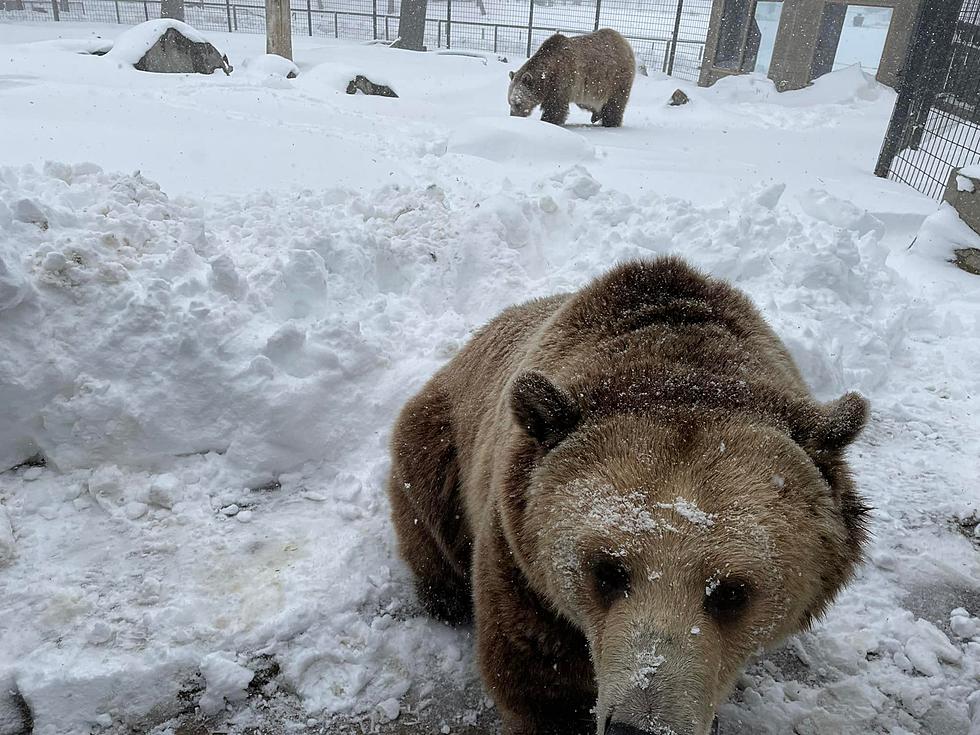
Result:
[[175, 53], [361, 83]]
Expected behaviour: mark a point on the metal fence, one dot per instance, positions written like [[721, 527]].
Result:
[[935, 126], [667, 35]]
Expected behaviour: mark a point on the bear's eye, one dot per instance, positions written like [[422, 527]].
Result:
[[726, 601], [612, 581]]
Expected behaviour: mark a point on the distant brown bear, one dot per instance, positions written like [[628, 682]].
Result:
[[594, 72], [636, 490]]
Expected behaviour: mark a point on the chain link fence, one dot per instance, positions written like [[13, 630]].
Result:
[[667, 35]]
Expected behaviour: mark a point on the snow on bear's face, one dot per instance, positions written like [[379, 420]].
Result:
[[678, 552], [520, 95]]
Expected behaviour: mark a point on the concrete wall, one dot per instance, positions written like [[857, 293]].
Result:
[[963, 193]]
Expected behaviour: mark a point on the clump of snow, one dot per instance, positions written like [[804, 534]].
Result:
[[647, 662], [133, 43], [6, 538], [689, 510], [519, 140], [225, 681], [964, 183], [963, 624]]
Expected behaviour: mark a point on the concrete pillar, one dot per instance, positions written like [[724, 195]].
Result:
[[828, 38], [897, 42], [796, 43]]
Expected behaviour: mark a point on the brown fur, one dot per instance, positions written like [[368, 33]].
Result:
[[554, 472], [594, 71]]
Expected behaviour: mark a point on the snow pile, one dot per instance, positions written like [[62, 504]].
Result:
[[940, 234], [850, 86], [175, 359], [270, 66]]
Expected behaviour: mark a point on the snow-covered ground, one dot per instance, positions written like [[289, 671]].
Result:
[[216, 292]]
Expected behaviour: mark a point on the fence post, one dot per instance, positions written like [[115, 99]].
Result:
[[118, 18], [530, 25], [228, 13], [449, 23], [146, 10], [309, 17], [55, 9], [495, 29], [374, 17], [677, 32], [336, 27], [598, 7]]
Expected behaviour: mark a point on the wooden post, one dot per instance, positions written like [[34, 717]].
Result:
[[278, 32], [411, 25], [172, 9]]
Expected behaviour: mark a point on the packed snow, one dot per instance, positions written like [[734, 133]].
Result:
[[216, 293]]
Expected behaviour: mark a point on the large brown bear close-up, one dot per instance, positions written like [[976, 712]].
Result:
[[632, 489]]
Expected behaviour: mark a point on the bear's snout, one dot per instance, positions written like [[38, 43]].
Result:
[[621, 728]]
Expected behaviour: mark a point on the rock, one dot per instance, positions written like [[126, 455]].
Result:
[[968, 259], [174, 53], [365, 85], [642, 70], [678, 98], [168, 46]]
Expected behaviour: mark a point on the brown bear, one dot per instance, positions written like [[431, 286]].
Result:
[[632, 489], [594, 71]]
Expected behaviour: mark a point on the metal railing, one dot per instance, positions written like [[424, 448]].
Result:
[[667, 35]]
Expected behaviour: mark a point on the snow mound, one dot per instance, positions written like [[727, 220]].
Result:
[[514, 139], [133, 43], [940, 233], [848, 86], [270, 65], [271, 349]]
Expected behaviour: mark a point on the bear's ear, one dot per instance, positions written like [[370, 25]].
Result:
[[544, 410], [512, 74], [526, 79], [831, 427]]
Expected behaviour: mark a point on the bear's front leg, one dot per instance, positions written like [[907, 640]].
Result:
[[535, 664], [555, 110]]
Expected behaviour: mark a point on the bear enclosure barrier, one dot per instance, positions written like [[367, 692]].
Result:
[[935, 126], [667, 36]]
